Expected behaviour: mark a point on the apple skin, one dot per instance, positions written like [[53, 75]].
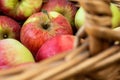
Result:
[[9, 28], [20, 9], [80, 16], [116, 15], [54, 46], [40, 27], [13, 53], [65, 7]]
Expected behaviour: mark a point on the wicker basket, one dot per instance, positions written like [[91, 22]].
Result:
[[96, 58]]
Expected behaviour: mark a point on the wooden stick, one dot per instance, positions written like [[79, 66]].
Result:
[[32, 71], [104, 33], [112, 70], [92, 12], [106, 62], [15, 70], [80, 68], [95, 45], [75, 3], [24, 75], [81, 32], [82, 48], [55, 58], [66, 65], [20, 70], [79, 35]]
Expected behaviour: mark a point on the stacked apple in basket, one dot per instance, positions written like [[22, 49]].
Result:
[[34, 30]]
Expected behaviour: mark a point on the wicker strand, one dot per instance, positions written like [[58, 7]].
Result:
[[80, 35], [61, 68], [117, 2], [75, 2], [109, 34], [82, 67], [94, 13], [82, 48]]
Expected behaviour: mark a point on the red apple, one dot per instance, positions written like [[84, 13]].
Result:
[[65, 7], [41, 26], [55, 46], [20, 9], [13, 53], [9, 28]]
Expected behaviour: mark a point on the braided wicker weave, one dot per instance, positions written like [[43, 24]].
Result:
[[96, 58]]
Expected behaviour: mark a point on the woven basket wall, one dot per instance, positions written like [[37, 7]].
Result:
[[96, 58]]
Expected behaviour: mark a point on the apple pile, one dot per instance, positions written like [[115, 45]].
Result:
[[31, 31]]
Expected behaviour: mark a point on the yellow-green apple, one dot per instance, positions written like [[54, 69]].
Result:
[[80, 16], [116, 15], [54, 46], [9, 28], [65, 7], [20, 9], [42, 26], [13, 53]]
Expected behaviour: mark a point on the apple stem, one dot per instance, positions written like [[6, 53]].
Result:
[[46, 12]]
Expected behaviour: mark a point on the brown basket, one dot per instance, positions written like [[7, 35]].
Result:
[[96, 58]]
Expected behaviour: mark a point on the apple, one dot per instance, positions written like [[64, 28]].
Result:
[[13, 53], [54, 46], [80, 16], [65, 7], [9, 28], [116, 15], [42, 26], [20, 9]]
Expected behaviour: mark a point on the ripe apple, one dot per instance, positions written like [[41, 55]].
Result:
[[20, 9], [9, 28], [65, 7], [55, 46], [80, 16], [42, 26], [13, 53]]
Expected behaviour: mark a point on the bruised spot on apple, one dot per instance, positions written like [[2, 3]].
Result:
[[40, 27], [13, 53], [9, 28], [54, 46]]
